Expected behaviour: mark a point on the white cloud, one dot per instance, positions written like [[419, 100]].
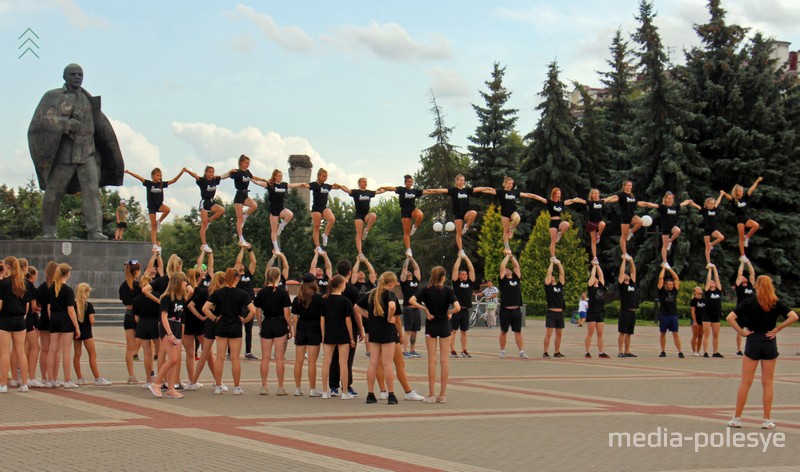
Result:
[[77, 17], [221, 148], [290, 38], [449, 84], [244, 44], [389, 41]]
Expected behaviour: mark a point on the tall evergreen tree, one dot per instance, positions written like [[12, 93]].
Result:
[[593, 132], [494, 154], [618, 107], [662, 156], [552, 155]]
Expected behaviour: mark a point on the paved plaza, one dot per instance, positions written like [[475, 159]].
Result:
[[501, 414]]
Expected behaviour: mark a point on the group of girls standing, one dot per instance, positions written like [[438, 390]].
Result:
[[44, 327]]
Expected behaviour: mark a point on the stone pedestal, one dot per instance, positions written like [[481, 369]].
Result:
[[101, 264]]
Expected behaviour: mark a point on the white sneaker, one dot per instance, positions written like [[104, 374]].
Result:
[[13, 383], [346, 396], [320, 251], [630, 236], [24, 389], [558, 236], [243, 243], [326, 394], [743, 259], [502, 354], [413, 396], [102, 382], [408, 252], [192, 387], [464, 229], [281, 226], [206, 248], [461, 253], [364, 235], [245, 215], [696, 354], [3, 388], [238, 391], [413, 230], [146, 385], [298, 392], [158, 226], [35, 383], [665, 265], [218, 390], [51, 384], [383, 395], [70, 385], [747, 244], [314, 393], [324, 239], [522, 355], [58, 383], [628, 257], [735, 422], [82, 381], [224, 387], [767, 423]]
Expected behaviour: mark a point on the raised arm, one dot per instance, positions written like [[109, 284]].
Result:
[[754, 186], [716, 277], [342, 188], [675, 279], [661, 278], [593, 275], [354, 271], [470, 269], [456, 266], [414, 268], [135, 176], [370, 271], [151, 263], [314, 259], [515, 266], [198, 263], [240, 256], [328, 266], [503, 265], [633, 270], [694, 205], [548, 278], [210, 263], [600, 276], [252, 267], [404, 269], [708, 280], [751, 273], [175, 179], [621, 277], [284, 265], [719, 198]]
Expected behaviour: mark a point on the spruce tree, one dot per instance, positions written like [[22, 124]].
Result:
[[552, 158], [494, 154]]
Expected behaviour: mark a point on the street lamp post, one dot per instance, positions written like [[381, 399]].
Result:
[[443, 231]]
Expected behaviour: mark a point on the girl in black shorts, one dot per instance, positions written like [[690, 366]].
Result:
[[279, 215], [629, 221], [595, 224], [337, 329], [596, 314], [407, 196], [361, 198], [273, 304], [554, 208], [709, 213], [319, 208], [509, 217], [668, 212], [381, 306], [462, 215], [306, 313], [434, 301], [155, 200], [241, 180], [146, 313], [32, 349], [697, 307], [231, 304], [741, 202], [63, 325], [209, 210], [759, 314], [193, 327], [209, 327], [128, 291], [170, 331], [43, 327], [14, 301], [713, 311], [84, 311]]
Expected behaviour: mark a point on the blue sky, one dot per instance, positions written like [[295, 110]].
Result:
[[347, 82]]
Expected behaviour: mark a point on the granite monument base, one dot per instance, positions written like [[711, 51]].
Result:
[[101, 264]]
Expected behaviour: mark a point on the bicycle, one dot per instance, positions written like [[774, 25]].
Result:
[[478, 312]]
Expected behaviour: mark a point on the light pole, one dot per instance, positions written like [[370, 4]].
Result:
[[443, 231]]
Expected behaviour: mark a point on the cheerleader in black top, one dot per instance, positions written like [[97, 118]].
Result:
[[319, 208], [209, 327], [462, 215], [209, 210], [668, 211], [741, 201], [128, 291], [337, 330], [745, 288], [279, 260], [306, 312], [509, 217], [43, 326], [713, 311], [14, 301], [381, 306], [361, 198], [629, 221], [555, 207], [170, 330], [31, 336], [84, 311], [697, 307], [63, 325], [595, 224], [279, 215], [273, 305], [760, 313], [246, 284], [155, 200], [407, 196], [709, 214], [241, 180]]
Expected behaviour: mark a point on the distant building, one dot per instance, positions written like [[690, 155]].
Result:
[[597, 95], [784, 58], [300, 172]]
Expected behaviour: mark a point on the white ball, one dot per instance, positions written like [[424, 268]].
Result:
[[647, 221], [437, 227], [450, 227]]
